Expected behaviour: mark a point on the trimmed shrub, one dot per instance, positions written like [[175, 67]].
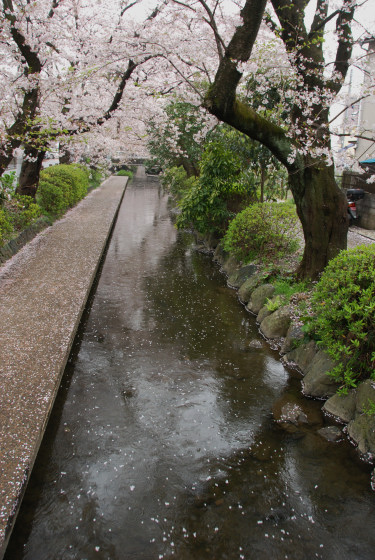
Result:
[[266, 230], [61, 187], [343, 318], [51, 198]]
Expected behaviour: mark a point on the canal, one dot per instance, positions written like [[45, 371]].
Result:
[[162, 443]]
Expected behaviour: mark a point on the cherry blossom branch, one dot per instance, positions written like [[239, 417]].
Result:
[[345, 43], [354, 136], [126, 8], [348, 107], [182, 75], [212, 23], [320, 24]]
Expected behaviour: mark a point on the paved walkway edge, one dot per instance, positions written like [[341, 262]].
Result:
[[43, 292]]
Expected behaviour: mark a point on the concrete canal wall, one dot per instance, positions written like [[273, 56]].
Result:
[[43, 292]]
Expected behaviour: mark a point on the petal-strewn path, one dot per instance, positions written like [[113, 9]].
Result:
[[43, 291]]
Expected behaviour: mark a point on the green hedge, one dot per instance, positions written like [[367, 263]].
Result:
[[343, 318], [267, 230], [61, 187]]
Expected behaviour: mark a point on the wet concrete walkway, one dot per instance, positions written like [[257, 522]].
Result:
[[43, 291]]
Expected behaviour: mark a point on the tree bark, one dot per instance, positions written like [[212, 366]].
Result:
[[322, 209], [65, 155], [30, 171]]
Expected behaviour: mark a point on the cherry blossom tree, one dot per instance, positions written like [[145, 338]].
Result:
[[303, 146], [67, 69], [306, 69]]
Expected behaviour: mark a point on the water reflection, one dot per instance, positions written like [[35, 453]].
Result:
[[162, 443]]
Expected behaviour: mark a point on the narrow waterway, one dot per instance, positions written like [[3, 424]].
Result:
[[162, 444]]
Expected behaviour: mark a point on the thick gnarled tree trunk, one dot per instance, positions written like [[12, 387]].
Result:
[[30, 171], [322, 210]]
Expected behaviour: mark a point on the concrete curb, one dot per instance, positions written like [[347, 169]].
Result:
[[43, 292]]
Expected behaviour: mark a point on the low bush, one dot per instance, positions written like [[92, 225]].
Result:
[[7, 186], [51, 198], [343, 319], [266, 230], [22, 211], [61, 187]]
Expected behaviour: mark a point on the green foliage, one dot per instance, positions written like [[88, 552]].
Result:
[[96, 178], [265, 230], [259, 167], [370, 408], [176, 181], [22, 211], [287, 287], [51, 198], [274, 303], [125, 173], [61, 187], [7, 186], [216, 195], [343, 318], [5, 227]]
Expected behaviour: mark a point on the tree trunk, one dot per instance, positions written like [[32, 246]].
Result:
[[190, 169], [322, 209], [30, 171]]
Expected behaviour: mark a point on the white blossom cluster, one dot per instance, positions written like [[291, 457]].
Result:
[[84, 48]]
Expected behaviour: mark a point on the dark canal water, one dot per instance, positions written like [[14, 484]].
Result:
[[162, 444]]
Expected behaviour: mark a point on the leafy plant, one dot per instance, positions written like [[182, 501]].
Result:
[[178, 140], [176, 181], [22, 211], [260, 168], [218, 193], [274, 303], [370, 408], [7, 186], [265, 230], [288, 287], [51, 198], [343, 318]]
